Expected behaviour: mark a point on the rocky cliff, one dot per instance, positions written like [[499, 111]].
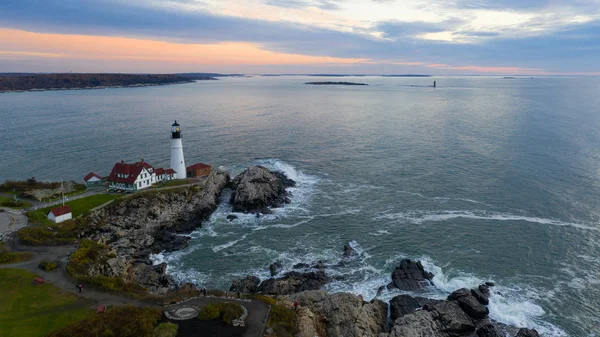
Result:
[[148, 222]]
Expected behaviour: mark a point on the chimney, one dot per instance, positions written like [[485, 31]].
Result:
[[142, 160], [122, 162]]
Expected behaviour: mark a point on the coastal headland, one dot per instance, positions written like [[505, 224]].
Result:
[[334, 83], [69, 81], [114, 244]]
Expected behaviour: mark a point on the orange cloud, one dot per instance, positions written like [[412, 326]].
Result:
[[18, 42]]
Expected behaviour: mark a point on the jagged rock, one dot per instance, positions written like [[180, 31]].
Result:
[[293, 282], [342, 314], [348, 250], [480, 296], [248, 285], [257, 189], [231, 217], [275, 267], [154, 278], [319, 265], [404, 304], [524, 332], [469, 303], [484, 289], [410, 275], [489, 330], [380, 290], [443, 319], [301, 266]]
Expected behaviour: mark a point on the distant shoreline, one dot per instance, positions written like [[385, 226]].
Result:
[[334, 83], [56, 82]]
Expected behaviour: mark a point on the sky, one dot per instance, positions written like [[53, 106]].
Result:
[[438, 37]]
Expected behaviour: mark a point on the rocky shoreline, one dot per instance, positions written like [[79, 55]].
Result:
[[154, 222]]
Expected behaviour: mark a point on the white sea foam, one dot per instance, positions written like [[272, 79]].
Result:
[[419, 217], [228, 244]]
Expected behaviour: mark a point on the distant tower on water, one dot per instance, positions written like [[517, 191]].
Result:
[[177, 161]]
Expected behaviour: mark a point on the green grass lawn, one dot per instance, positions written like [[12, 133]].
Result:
[[27, 310], [79, 206], [6, 202]]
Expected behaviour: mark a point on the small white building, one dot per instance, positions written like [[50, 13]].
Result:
[[92, 179], [138, 176], [60, 214]]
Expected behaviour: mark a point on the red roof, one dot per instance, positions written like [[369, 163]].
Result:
[[144, 164], [90, 175], [170, 171], [62, 210], [198, 166], [159, 171], [132, 171]]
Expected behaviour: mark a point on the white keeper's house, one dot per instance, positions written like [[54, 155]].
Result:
[[137, 176], [60, 214]]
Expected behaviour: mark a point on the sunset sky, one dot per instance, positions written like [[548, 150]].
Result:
[[440, 37]]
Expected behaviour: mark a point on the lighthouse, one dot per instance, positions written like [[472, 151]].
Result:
[[177, 161]]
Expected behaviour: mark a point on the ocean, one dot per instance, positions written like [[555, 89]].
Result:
[[482, 178]]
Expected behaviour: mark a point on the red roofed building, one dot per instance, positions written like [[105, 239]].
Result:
[[198, 170], [137, 176], [60, 214], [92, 179]]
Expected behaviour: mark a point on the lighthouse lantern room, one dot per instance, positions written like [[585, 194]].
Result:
[[177, 161]]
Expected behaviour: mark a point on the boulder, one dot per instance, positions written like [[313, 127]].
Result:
[[319, 265], [348, 250], [404, 304], [443, 319], [480, 296], [154, 278], [469, 303], [489, 330], [301, 266], [294, 282], [247, 285], [231, 217], [343, 314], [257, 189], [410, 276], [524, 332], [274, 268]]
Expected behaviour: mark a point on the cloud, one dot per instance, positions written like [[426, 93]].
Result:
[[456, 33]]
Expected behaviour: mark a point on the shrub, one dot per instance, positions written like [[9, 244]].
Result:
[[122, 322], [227, 311], [166, 330], [282, 319], [6, 256], [47, 265], [231, 311], [209, 312], [265, 299]]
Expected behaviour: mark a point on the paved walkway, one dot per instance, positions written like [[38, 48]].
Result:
[[257, 311]]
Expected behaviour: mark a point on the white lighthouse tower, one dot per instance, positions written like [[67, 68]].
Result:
[[177, 161]]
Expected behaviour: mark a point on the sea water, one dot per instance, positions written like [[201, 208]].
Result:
[[482, 178]]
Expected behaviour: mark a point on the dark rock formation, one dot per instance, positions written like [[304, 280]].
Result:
[[442, 319], [469, 304], [294, 282], [231, 217], [480, 296], [320, 265], [404, 304], [339, 314], [154, 278], [301, 266], [274, 268], [489, 330], [410, 275], [348, 250], [257, 189], [248, 285], [527, 333]]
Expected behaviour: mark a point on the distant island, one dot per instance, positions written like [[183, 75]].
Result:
[[67, 81], [406, 75], [334, 83]]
